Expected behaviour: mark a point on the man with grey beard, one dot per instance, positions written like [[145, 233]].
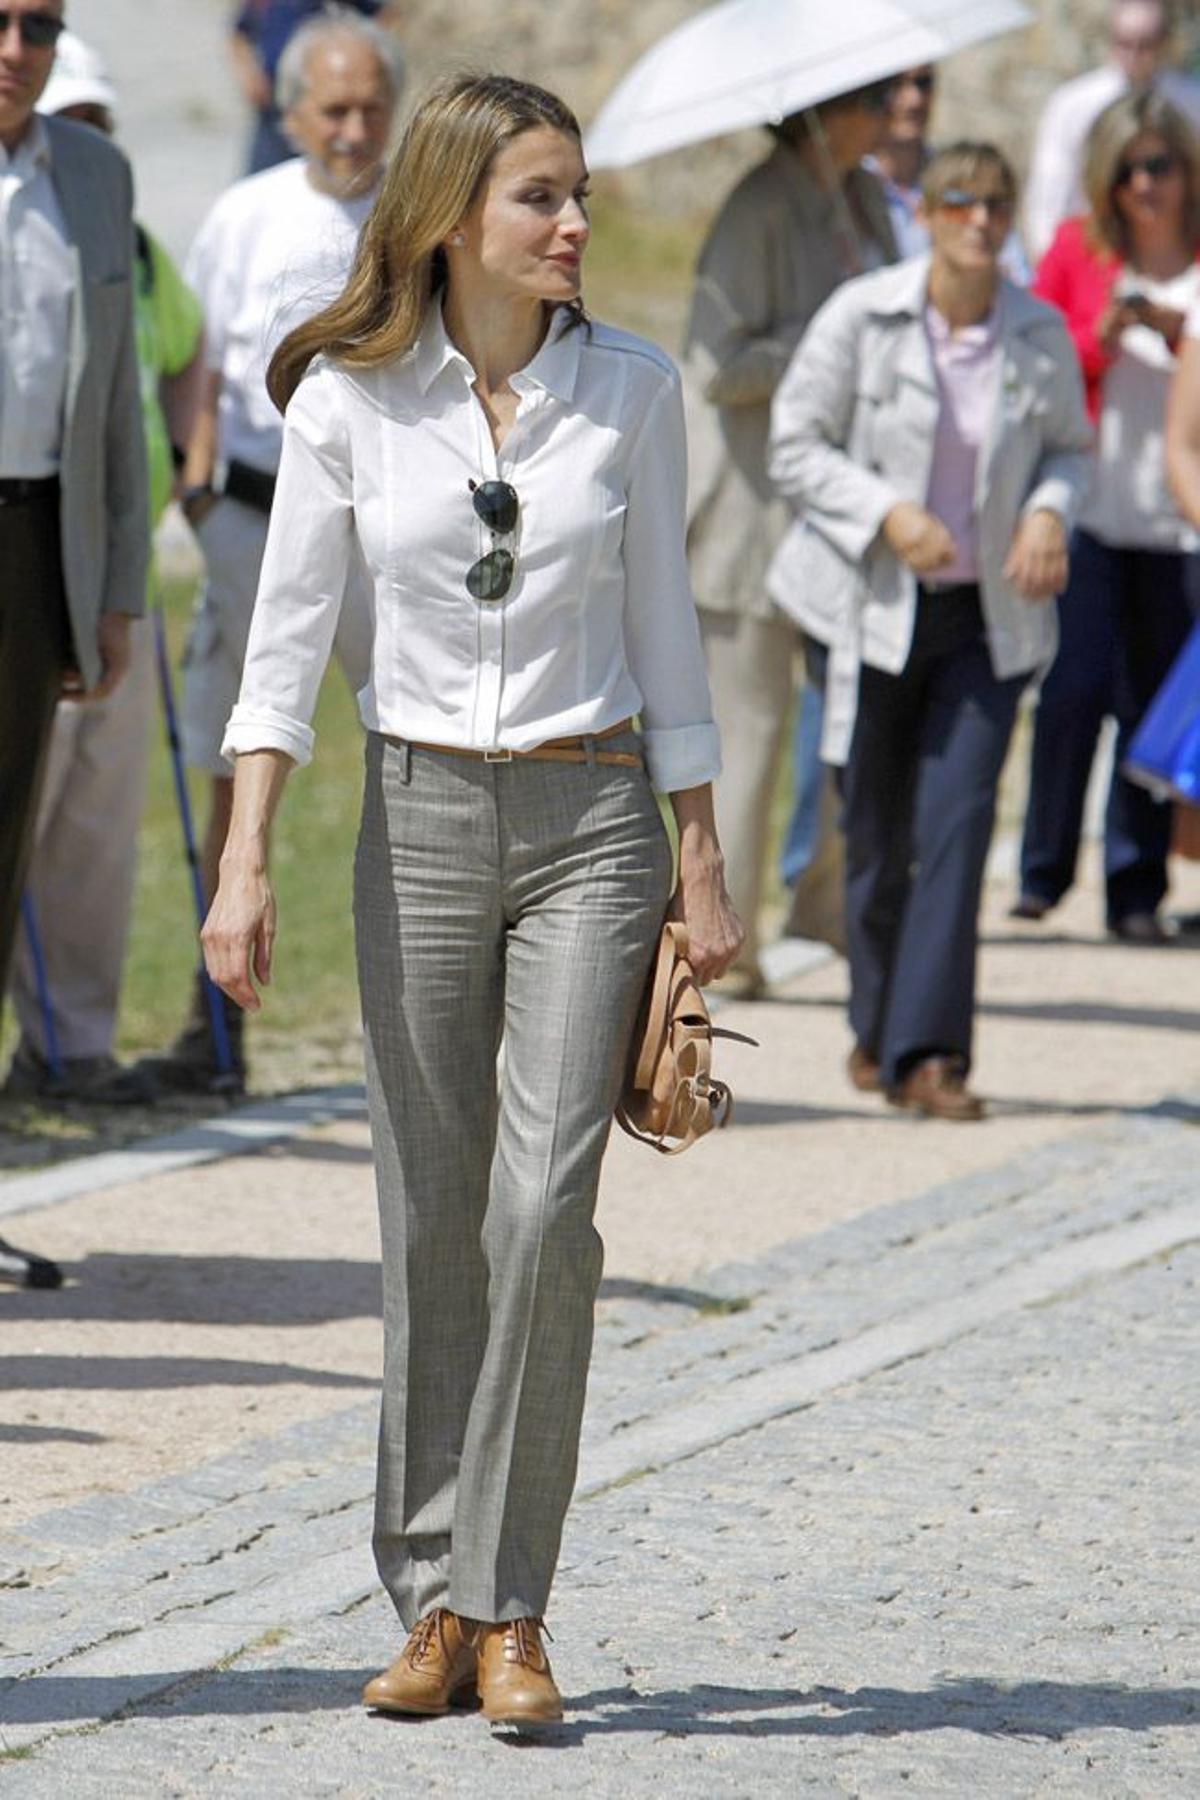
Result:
[[275, 248]]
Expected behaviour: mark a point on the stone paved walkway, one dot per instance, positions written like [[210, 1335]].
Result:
[[907, 1508]]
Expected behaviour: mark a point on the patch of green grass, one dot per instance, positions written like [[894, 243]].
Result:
[[313, 991], [638, 272]]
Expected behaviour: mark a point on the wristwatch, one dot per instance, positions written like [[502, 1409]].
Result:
[[189, 496]]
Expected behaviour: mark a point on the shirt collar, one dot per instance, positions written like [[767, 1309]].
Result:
[[969, 337], [33, 151], [555, 367]]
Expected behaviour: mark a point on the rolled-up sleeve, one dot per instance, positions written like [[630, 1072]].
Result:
[[662, 632], [304, 573]]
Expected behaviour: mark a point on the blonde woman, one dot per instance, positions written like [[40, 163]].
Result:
[[1124, 276], [513, 477]]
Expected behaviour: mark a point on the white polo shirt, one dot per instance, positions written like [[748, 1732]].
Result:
[[272, 252]]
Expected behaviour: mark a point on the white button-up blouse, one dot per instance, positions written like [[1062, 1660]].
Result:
[[599, 622]]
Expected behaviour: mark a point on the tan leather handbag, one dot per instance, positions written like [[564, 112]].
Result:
[[671, 1097]]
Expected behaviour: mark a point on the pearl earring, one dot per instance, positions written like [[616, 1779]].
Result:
[[456, 237]]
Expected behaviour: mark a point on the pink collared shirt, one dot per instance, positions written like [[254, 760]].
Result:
[[966, 363]]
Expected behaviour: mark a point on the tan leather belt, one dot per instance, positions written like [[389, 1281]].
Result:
[[567, 750]]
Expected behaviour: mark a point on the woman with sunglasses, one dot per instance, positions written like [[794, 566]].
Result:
[[930, 436], [1124, 277], [513, 477]]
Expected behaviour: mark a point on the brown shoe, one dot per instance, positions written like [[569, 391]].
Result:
[[515, 1683], [435, 1669], [938, 1088], [863, 1071]]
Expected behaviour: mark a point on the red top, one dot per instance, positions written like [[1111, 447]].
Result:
[[1079, 281]]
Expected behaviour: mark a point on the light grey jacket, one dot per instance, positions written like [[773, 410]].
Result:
[[102, 471], [774, 254], [852, 431]]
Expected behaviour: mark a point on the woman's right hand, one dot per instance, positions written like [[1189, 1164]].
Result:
[[918, 538], [239, 933]]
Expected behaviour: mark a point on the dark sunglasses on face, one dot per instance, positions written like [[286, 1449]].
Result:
[[497, 504], [39, 30], [1157, 167], [962, 200], [924, 83]]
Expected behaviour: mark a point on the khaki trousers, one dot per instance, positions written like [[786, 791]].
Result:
[[516, 902], [82, 873]]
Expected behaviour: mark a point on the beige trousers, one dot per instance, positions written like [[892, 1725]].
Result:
[[751, 674], [81, 877]]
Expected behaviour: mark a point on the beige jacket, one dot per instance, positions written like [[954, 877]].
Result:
[[852, 434], [774, 254]]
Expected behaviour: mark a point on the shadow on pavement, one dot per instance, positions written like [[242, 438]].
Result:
[[1089, 1012], [48, 1434], [206, 1290], [1034, 1709], [114, 1373], [1038, 1709]]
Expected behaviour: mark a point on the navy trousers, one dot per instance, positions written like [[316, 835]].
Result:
[[1123, 619], [920, 798]]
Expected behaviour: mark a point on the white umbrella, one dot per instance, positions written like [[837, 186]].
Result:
[[752, 62]]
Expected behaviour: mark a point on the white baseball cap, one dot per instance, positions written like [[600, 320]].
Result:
[[78, 77]]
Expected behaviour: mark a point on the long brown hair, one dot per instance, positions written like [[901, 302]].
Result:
[[1128, 118], [437, 171]]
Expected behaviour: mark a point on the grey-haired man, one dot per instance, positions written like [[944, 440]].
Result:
[[274, 249]]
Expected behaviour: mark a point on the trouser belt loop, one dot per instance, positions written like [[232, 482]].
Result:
[[589, 750], [406, 762]]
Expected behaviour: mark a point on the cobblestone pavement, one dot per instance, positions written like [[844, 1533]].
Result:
[[908, 1508]]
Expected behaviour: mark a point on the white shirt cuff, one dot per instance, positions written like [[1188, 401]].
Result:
[[686, 756], [259, 728]]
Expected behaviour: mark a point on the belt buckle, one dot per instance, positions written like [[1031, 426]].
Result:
[[497, 756]]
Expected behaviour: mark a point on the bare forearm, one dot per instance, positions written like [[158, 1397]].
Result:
[[258, 783], [1183, 432], [699, 851], [201, 458]]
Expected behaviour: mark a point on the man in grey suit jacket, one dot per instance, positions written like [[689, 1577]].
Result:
[[73, 513]]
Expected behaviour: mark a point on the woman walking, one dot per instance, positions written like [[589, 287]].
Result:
[[931, 431], [513, 477], [1124, 278]]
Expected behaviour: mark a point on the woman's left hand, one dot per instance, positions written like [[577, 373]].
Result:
[[1037, 559], [715, 933]]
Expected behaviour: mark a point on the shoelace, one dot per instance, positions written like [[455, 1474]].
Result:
[[420, 1642], [521, 1642]]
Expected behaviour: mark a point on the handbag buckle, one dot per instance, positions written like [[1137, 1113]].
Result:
[[497, 756]]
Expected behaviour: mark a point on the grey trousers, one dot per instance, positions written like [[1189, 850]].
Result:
[[517, 901]]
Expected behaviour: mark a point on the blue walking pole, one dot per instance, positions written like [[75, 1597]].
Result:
[[33, 938], [216, 1010]]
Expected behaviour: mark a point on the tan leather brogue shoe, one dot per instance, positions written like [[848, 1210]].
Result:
[[435, 1669], [515, 1683]]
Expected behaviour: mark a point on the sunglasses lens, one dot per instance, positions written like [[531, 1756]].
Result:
[[496, 503], [39, 30], [491, 577]]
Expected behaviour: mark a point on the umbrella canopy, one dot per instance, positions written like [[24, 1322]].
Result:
[[752, 62]]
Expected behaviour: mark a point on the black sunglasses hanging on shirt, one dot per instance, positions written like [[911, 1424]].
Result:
[[497, 504]]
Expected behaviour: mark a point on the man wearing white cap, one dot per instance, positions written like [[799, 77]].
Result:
[[80, 880]]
